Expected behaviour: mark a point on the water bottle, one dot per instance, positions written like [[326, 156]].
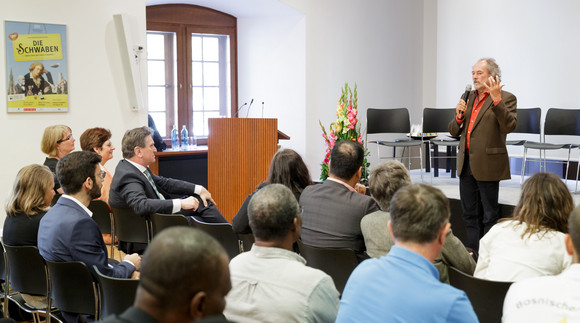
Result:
[[184, 138], [174, 138]]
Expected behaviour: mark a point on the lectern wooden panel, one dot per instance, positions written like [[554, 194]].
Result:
[[239, 155]]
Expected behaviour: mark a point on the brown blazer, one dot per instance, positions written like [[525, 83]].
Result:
[[488, 155]]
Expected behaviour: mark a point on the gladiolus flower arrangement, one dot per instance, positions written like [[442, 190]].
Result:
[[346, 127]]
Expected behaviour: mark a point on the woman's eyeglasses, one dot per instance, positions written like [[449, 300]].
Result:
[[63, 140]]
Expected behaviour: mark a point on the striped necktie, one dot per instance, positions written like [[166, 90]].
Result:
[[150, 178]]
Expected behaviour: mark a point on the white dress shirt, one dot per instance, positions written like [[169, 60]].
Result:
[[274, 285], [505, 256], [545, 299]]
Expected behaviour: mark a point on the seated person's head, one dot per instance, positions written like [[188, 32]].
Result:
[[346, 159], [53, 139], [385, 180], [135, 138], [78, 167], [545, 204], [32, 191], [419, 214], [184, 276], [288, 168], [274, 214]]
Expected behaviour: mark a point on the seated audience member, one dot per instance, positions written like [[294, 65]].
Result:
[[184, 278], [30, 199], [98, 140], [404, 285], [385, 180], [271, 283], [136, 187], [57, 141], [549, 298], [287, 168], [67, 232], [160, 145], [332, 210], [531, 242]]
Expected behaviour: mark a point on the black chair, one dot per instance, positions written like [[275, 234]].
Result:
[[27, 273], [246, 241], [73, 288], [559, 122], [528, 124], [486, 296], [130, 227], [337, 263], [162, 221], [392, 121], [117, 294], [223, 233], [104, 218], [437, 121]]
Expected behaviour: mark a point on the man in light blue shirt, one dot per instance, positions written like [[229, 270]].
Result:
[[404, 285]]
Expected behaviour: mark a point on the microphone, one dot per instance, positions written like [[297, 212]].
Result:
[[249, 106], [262, 109], [464, 97], [236, 114]]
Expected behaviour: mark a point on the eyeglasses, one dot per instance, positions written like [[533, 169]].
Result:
[[68, 138], [102, 174]]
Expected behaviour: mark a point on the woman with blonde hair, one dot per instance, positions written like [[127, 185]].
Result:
[[57, 141], [29, 201], [531, 242]]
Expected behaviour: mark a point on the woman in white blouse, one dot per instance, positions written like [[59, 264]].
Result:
[[531, 242]]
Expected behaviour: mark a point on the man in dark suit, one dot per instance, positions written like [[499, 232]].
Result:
[[136, 187], [482, 161], [67, 232], [184, 278], [332, 211]]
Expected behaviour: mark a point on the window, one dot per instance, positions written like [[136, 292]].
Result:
[[191, 57]]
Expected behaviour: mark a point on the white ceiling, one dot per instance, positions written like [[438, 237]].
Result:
[[239, 8]]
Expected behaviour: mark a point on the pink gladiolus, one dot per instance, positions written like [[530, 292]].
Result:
[[326, 160], [350, 126], [359, 140]]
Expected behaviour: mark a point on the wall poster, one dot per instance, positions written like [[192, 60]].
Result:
[[36, 67]]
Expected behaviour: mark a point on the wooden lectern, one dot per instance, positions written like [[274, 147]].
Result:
[[239, 155]]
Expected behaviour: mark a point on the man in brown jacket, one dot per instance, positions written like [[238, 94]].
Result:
[[483, 123]]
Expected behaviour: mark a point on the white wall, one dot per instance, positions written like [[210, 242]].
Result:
[[271, 59], [97, 86], [534, 43], [376, 43]]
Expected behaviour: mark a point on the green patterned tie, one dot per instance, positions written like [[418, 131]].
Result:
[[150, 178]]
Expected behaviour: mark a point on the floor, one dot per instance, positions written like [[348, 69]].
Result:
[[509, 190]]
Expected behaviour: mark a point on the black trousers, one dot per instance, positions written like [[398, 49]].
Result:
[[479, 202]]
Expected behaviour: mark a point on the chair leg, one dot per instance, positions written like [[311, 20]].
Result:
[[577, 171], [567, 166], [523, 166], [420, 160]]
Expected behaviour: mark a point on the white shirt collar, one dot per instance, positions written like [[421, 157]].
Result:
[[140, 167], [79, 203]]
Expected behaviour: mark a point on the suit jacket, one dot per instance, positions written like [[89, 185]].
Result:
[[130, 188], [331, 216], [67, 233], [488, 157], [379, 241]]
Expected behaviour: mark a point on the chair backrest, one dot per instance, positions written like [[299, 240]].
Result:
[[486, 296], [529, 121], [437, 120], [101, 215], [337, 263], [130, 227], [388, 120], [247, 240], [55, 199], [562, 122], [117, 294], [162, 221], [223, 233], [27, 270], [73, 288]]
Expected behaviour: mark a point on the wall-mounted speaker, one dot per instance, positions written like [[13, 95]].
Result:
[[130, 58]]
